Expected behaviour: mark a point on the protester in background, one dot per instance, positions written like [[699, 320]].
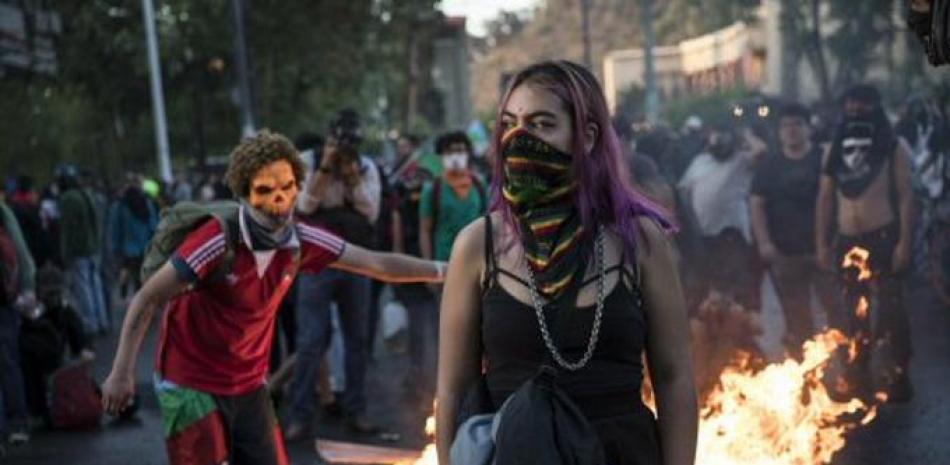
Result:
[[81, 243], [16, 296], [25, 204], [446, 206], [784, 193], [559, 192], [132, 223], [866, 177], [344, 197], [452, 201], [715, 188]]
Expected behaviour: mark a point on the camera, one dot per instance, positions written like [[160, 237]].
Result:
[[345, 134], [930, 21]]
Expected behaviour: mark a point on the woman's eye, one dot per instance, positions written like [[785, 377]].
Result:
[[541, 125]]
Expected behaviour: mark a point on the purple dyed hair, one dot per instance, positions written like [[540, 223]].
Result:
[[604, 196]]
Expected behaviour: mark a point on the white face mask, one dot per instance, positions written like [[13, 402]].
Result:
[[455, 161]]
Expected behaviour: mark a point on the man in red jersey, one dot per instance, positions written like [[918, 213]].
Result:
[[217, 331]]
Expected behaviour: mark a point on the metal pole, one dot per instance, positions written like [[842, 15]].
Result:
[[158, 98], [243, 75], [585, 31], [652, 102]]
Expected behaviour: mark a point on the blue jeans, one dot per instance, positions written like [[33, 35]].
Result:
[[315, 292], [13, 415], [85, 282]]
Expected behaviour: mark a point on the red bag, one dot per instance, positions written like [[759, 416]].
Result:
[[76, 402]]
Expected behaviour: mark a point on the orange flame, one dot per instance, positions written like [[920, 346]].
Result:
[[862, 310], [429, 455], [780, 415], [858, 258], [853, 349]]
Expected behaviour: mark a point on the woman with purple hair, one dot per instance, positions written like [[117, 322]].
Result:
[[567, 233]]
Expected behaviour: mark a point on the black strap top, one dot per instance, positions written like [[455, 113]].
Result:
[[514, 349]]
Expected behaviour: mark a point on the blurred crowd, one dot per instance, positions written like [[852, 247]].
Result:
[[767, 189]]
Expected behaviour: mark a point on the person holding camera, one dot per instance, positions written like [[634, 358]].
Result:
[[344, 197]]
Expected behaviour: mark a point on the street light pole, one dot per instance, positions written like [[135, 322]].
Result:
[[585, 31], [158, 97], [652, 102], [243, 73]]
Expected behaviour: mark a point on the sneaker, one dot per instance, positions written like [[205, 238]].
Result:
[[18, 438], [360, 425]]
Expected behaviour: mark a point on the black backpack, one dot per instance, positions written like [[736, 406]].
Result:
[[541, 424]]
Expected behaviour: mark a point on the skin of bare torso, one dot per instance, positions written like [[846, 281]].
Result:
[[872, 210]]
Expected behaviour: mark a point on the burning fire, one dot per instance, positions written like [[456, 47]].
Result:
[[429, 454], [779, 415], [858, 258]]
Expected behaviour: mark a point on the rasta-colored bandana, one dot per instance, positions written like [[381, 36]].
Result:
[[540, 186]]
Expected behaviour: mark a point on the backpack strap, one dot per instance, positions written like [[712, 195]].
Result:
[[436, 203], [231, 225]]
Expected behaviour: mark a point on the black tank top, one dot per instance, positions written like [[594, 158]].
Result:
[[514, 349]]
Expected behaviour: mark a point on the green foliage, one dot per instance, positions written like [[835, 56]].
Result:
[[308, 60]]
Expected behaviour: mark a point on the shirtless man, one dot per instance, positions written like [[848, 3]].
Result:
[[865, 171]]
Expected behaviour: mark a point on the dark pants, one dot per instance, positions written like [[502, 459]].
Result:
[[423, 312], [730, 266], [254, 436], [204, 429], [794, 278], [315, 293], [13, 415], [887, 321]]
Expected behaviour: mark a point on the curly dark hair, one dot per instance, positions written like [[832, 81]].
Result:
[[254, 153]]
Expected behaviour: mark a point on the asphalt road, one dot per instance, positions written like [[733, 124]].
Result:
[[915, 433]]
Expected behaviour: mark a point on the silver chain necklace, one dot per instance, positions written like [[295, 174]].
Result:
[[598, 313]]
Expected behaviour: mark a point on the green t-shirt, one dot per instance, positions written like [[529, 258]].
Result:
[[454, 214]]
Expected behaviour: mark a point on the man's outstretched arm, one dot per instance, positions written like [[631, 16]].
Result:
[[389, 267], [119, 387]]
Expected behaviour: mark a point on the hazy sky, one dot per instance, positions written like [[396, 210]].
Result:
[[479, 11]]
